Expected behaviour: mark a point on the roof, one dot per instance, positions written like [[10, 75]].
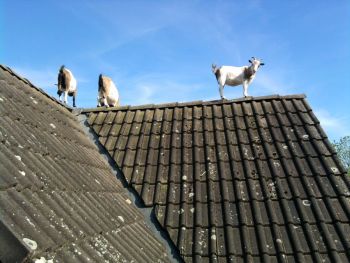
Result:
[[247, 180], [59, 199]]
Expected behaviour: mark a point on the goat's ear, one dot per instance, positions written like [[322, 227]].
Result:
[[262, 64], [250, 61]]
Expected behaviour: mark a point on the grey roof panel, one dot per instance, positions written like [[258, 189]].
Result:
[[246, 179], [58, 196]]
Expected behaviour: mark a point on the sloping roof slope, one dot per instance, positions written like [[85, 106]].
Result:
[[253, 180], [59, 200]]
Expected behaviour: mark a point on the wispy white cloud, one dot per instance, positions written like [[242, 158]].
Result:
[[272, 84], [335, 126], [42, 78], [112, 44], [145, 95], [117, 28], [157, 88], [217, 26]]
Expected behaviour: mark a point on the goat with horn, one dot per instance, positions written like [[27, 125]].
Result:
[[234, 76]]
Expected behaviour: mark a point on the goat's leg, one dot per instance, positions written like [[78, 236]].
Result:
[[221, 90], [105, 102], [65, 96], [74, 98], [245, 89], [59, 93]]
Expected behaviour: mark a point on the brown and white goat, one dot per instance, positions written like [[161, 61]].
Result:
[[67, 84], [108, 94], [234, 76]]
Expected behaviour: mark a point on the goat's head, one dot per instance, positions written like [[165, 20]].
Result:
[[256, 63]]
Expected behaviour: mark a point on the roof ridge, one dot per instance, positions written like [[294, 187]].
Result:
[[192, 103], [77, 111], [26, 81]]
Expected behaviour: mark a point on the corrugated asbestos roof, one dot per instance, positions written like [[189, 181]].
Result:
[[59, 199], [250, 180]]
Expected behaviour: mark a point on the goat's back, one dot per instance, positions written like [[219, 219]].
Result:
[[106, 86], [104, 83], [230, 75], [66, 80]]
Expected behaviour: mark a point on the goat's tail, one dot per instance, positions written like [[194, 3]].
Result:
[[100, 82]]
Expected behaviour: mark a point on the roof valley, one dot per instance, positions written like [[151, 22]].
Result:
[[148, 212]]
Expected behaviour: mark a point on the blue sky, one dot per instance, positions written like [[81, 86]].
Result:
[[162, 51]]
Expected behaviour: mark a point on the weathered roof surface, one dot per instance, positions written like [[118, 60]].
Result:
[[58, 197], [245, 180]]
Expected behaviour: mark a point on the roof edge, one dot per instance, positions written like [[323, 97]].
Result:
[[26, 81], [192, 103]]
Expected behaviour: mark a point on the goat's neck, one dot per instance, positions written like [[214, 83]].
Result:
[[249, 72]]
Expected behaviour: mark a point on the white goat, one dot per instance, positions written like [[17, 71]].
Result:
[[108, 94], [67, 84], [234, 76]]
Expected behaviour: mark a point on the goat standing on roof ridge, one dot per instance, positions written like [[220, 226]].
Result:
[[234, 76], [108, 94], [67, 84]]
